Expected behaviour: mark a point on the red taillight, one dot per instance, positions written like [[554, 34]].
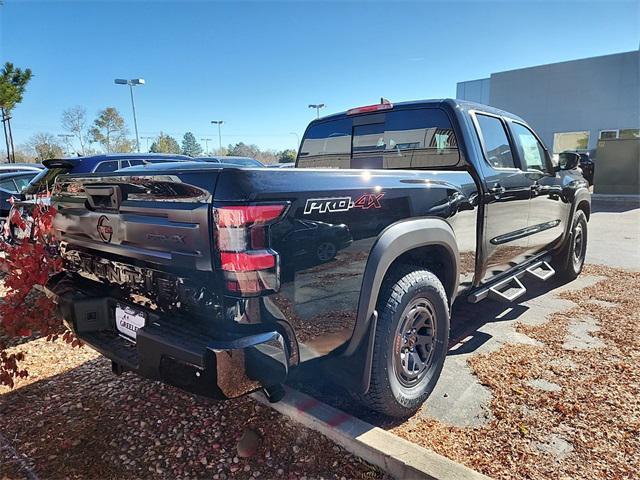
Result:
[[386, 105], [250, 267]]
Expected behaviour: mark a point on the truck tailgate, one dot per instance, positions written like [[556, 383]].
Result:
[[158, 219]]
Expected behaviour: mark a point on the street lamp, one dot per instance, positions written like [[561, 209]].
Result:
[[219, 123], [206, 144], [317, 106], [133, 82], [147, 140], [297, 139]]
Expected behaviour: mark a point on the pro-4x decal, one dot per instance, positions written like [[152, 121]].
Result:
[[342, 204]]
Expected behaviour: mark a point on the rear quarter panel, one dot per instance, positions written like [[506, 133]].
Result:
[[346, 209]]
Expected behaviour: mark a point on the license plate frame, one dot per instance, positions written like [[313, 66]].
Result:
[[128, 321]]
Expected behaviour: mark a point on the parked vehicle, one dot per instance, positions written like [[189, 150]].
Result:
[[41, 184], [433, 201], [11, 184], [283, 165], [20, 167], [587, 165], [239, 161]]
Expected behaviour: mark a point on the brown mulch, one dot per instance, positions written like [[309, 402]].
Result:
[[72, 418], [597, 409]]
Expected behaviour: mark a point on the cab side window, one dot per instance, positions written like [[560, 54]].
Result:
[[495, 142], [110, 166], [531, 152]]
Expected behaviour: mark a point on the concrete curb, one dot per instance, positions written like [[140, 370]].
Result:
[[396, 456]]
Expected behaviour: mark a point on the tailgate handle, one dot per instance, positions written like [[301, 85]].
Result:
[[103, 197]]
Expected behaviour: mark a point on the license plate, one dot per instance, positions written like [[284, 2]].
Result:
[[128, 321]]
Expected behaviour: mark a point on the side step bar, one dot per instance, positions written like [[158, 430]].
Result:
[[511, 288], [508, 290], [541, 271]]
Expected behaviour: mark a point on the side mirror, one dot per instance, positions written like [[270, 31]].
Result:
[[568, 161]]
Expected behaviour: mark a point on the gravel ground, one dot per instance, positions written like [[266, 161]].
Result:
[[568, 407], [72, 418]]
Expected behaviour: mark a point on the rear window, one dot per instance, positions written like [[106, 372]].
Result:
[[44, 181], [405, 139]]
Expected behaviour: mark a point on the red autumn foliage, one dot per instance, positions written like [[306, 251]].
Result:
[[25, 310]]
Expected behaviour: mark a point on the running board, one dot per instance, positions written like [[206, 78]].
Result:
[[508, 290], [541, 271]]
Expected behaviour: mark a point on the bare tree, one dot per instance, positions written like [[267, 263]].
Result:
[[45, 146], [74, 121]]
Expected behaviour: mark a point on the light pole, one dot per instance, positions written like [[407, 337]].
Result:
[[206, 144], [147, 141], [219, 123], [317, 106], [67, 140], [297, 140], [132, 83]]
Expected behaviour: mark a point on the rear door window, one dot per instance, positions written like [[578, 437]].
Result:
[[495, 142], [110, 166], [403, 139], [9, 186]]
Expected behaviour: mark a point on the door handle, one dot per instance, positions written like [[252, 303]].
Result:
[[497, 190]]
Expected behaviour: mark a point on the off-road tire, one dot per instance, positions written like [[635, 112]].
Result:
[[569, 261], [404, 286]]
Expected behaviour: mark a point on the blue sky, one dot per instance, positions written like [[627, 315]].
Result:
[[258, 65]]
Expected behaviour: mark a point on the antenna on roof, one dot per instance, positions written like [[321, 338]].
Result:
[[384, 101]]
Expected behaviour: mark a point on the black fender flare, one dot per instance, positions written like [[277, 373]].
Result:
[[395, 240], [581, 195]]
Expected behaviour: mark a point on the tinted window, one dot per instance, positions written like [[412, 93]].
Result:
[[420, 138], [8, 185], [110, 166], [531, 152], [135, 163], [22, 182], [44, 180], [496, 143], [327, 144]]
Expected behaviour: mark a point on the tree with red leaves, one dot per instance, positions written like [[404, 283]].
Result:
[[25, 310]]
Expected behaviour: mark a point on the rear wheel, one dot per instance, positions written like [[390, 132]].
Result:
[[411, 341], [569, 262]]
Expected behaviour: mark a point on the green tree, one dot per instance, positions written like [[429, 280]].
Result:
[[110, 130], [165, 144], [190, 146], [13, 83], [241, 149], [287, 156], [45, 146]]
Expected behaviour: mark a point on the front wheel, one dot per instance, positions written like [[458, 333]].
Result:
[[569, 262], [410, 343]]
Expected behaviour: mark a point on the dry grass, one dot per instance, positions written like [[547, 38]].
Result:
[[597, 409]]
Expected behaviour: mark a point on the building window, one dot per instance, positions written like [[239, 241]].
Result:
[[629, 133], [608, 134], [564, 141]]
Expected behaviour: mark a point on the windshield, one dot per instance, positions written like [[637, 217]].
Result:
[[44, 180]]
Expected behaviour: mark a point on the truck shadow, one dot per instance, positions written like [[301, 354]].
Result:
[[465, 337]]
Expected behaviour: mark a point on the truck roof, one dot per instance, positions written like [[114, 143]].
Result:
[[440, 102]]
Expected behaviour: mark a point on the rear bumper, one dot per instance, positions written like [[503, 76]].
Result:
[[177, 351]]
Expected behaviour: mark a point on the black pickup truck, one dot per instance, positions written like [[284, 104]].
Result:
[[221, 280]]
